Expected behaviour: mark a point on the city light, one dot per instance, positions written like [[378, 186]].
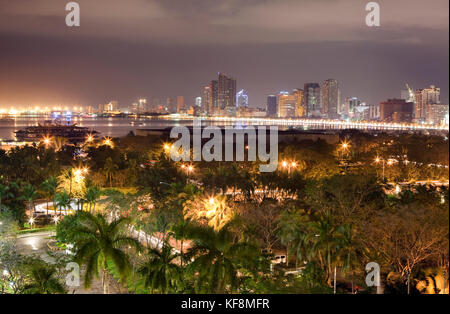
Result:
[[108, 142], [90, 138]]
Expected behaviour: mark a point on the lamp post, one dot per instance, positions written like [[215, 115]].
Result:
[[378, 160], [289, 165]]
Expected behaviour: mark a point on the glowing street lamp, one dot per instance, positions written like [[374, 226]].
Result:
[[90, 138], [47, 141], [378, 160], [108, 142]]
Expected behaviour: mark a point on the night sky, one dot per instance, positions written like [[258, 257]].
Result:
[[158, 48]]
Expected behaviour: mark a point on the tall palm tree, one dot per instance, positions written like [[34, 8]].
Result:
[[68, 175], [110, 169], [50, 186], [43, 281], [101, 243], [217, 260], [29, 194], [62, 200], [327, 242], [160, 271], [293, 227], [91, 196]]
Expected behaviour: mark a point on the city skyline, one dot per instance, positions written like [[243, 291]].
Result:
[[96, 61]]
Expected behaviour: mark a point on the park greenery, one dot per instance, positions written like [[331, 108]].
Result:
[[141, 222]]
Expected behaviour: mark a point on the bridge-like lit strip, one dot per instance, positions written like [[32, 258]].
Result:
[[332, 123]]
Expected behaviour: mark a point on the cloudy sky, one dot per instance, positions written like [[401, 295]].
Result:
[[157, 48]]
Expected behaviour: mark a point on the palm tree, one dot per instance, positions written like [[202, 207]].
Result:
[[43, 281], [59, 142], [29, 194], [62, 200], [110, 169], [91, 195], [217, 260], [181, 232], [160, 272], [293, 227], [4, 194], [101, 243], [68, 174], [50, 186], [326, 240]]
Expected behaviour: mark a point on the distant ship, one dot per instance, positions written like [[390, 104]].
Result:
[[74, 134]]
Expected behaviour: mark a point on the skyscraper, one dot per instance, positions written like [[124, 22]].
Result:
[[181, 103], [242, 99], [329, 99], [425, 97], [272, 106], [312, 100], [198, 102], [300, 110], [206, 99], [286, 105], [226, 91]]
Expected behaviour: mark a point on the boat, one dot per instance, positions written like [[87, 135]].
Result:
[[73, 133]]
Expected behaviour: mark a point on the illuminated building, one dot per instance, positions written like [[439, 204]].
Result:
[[226, 91], [181, 104], [286, 105], [312, 100], [198, 102], [241, 99], [329, 99], [425, 97], [300, 110], [396, 110], [272, 106], [437, 114]]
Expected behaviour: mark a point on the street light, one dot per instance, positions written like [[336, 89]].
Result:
[[378, 160], [90, 138], [108, 142], [47, 141]]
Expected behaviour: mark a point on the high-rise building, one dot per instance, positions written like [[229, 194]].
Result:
[[374, 112], [206, 99], [286, 104], [425, 97], [312, 100], [181, 103], [437, 114], [329, 99], [226, 91], [198, 102], [242, 99], [111, 106], [170, 105], [396, 110], [272, 106], [300, 110]]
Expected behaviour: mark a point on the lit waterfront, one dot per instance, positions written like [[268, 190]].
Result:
[[121, 126]]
